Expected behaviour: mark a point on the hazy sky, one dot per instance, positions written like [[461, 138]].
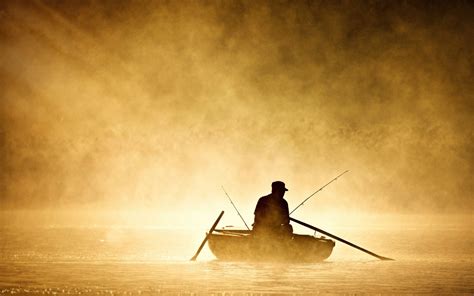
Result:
[[156, 104]]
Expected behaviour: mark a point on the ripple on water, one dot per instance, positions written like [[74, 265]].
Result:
[[82, 261]]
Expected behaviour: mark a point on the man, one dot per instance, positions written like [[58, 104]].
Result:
[[272, 216]]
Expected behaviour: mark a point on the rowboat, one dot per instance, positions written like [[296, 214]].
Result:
[[241, 245]]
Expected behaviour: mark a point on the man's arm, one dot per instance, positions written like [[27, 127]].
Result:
[[257, 212]]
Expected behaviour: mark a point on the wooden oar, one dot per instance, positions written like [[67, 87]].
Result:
[[207, 237], [340, 239]]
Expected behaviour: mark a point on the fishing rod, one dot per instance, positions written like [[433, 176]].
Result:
[[317, 192], [235, 207]]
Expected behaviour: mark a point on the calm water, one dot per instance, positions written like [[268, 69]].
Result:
[[148, 261]]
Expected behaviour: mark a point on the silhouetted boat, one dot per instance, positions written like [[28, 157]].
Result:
[[240, 245]]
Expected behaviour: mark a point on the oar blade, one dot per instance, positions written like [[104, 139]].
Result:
[[207, 237], [386, 258]]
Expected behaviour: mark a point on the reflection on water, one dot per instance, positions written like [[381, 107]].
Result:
[[144, 261]]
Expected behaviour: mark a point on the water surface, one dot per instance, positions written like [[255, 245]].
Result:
[[65, 260]]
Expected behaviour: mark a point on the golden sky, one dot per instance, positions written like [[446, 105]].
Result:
[[156, 104]]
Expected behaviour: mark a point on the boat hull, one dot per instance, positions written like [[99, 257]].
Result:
[[245, 247]]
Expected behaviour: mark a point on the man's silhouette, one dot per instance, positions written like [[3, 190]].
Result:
[[271, 214]]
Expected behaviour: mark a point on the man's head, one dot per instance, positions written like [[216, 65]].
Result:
[[278, 187]]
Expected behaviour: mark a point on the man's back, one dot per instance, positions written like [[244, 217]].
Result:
[[271, 212], [272, 216]]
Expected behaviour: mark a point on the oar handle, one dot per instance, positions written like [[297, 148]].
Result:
[[207, 237], [339, 239]]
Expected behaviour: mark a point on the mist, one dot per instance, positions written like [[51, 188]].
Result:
[[133, 105]]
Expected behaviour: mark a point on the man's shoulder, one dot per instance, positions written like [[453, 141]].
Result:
[[264, 198]]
